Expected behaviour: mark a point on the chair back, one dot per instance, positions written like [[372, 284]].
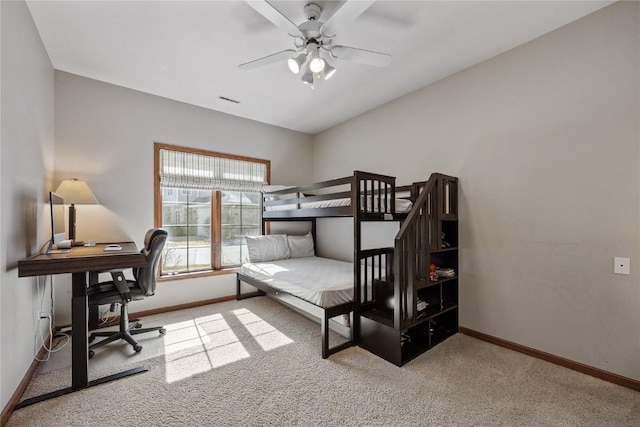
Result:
[[154, 242]]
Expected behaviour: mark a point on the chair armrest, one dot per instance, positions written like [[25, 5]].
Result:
[[121, 284]]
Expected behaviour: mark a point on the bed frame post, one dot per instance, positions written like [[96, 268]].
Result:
[[356, 206], [324, 334]]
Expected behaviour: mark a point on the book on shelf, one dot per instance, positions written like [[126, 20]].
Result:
[[446, 272]]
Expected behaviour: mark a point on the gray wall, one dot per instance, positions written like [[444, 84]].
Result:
[[545, 140], [26, 164], [105, 135]]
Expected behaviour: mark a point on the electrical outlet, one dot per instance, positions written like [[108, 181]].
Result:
[[621, 265]]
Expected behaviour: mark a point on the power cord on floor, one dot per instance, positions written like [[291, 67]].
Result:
[[45, 343], [48, 344]]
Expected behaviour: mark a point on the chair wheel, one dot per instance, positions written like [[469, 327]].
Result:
[[137, 348], [138, 325], [162, 331], [91, 354], [92, 338]]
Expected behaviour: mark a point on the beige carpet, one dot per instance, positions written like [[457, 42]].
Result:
[[256, 363]]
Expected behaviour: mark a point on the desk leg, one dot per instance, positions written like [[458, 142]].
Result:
[[79, 341]]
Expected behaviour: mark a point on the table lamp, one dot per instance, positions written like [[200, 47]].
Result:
[[74, 191]]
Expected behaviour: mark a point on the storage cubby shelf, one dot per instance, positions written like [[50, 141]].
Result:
[[398, 332], [437, 282]]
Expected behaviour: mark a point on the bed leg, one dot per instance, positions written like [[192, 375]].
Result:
[[239, 296], [324, 333]]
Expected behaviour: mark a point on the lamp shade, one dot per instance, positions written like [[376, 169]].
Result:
[[74, 191]]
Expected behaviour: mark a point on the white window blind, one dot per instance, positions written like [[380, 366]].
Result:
[[201, 172]]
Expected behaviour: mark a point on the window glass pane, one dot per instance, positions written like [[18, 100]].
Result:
[[240, 216], [199, 230], [203, 233], [186, 215]]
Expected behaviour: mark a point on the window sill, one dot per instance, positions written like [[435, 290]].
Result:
[[197, 274]]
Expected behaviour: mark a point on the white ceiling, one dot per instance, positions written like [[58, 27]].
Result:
[[189, 50]]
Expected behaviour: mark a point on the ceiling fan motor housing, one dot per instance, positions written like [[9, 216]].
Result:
[[312, 11]]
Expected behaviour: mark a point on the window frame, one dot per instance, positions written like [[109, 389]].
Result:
[[216, 232]]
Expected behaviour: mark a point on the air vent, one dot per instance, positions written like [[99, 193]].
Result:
[[224, 98]]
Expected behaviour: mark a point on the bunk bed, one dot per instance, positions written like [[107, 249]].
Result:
[[347, 290]]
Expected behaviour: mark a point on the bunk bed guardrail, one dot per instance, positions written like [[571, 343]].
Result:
[[374, 196], [376, 266]]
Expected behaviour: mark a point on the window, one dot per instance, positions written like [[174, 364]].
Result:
[[208, 202]]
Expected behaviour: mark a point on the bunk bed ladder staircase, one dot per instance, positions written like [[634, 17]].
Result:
[[411, 307]]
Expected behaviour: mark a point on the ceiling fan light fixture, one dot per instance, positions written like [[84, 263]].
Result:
[[307, 77], [317, 64], [295, 64], [313, 39], [329, 71]]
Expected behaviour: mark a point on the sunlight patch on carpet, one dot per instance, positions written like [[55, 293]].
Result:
[[266, 335], [199, 345]]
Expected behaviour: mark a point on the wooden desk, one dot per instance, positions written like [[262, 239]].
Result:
[[80, 261]]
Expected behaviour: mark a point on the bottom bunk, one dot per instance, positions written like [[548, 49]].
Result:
[[320, 287]]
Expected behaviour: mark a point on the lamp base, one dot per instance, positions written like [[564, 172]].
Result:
[[72, 222]]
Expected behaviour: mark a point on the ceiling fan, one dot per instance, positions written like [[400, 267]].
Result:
[[313, 41]]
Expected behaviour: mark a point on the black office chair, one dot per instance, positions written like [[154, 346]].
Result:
[[119, 290]]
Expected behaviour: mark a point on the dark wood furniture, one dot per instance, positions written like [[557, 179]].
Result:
[[389, 282], [80, 262], [372, 198], [399, 331]]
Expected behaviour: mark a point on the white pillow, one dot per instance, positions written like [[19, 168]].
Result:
[[267, 248], [301, 246]]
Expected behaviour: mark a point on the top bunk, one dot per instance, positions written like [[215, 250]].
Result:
[[363, 195]]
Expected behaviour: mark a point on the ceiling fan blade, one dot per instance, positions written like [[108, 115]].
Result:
[[362, 56], [275, 57], [272, 14], [348, 12]]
